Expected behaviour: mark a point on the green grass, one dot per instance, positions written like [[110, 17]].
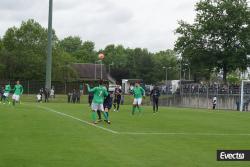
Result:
[[31, 135]]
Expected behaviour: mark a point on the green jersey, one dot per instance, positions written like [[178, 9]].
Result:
[[99, 93], [7, 88], [81, 87], [18, 89], [138, 92]]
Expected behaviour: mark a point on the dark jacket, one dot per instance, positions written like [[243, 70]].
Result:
[[155, 94]]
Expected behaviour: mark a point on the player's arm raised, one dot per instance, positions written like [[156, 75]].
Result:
[[89, 89]]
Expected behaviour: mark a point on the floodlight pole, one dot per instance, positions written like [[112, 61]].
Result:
[[241, 96], [49, 47]]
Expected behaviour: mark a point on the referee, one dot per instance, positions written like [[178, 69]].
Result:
[[154, 96]]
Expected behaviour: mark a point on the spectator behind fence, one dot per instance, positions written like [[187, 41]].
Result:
[[52, 93], [69, 97], [245, 105], [78, 96], [81, 89], [74, 96], [214, 102], [41, 93], [39, 98]]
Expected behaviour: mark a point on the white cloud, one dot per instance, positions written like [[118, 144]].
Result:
[[132, 23]]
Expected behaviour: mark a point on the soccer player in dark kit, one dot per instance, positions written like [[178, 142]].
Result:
[[154, 96], [107, 104], [117, 98]]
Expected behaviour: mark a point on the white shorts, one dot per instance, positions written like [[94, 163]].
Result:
[[16, 97], [6, 94], [96, 107], [137, 101]]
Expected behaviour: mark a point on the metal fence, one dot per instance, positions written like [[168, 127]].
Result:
[[33, 87], [187, 95], [201, 96]]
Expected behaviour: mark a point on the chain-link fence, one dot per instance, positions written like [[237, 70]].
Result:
[[186, 95], [202, 96], [33, 87]]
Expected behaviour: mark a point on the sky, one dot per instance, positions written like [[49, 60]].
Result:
[[132, 23]]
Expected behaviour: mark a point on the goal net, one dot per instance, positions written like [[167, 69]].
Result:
[[244, 95]]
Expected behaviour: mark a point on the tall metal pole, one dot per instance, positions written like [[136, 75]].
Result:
[[241, 95], [49, 47]]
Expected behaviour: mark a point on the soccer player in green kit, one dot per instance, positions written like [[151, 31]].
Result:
[[18, 91], [138, 93], [97, 104], [6, 93]]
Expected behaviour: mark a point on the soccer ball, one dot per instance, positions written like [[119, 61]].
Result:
[[101, 56]]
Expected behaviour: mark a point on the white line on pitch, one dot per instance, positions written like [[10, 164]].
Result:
[[72, 117], [187, 134], [143, 133]]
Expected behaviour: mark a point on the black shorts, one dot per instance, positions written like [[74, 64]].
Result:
[[108, 106]]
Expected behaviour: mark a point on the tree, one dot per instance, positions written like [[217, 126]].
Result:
[[167, 59], [71, 44], [140, 64], [62, 69], [24, 53], [86, 53], [218, 39], [2, 66], [116, 59]]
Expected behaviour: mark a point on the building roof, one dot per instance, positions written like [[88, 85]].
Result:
[[90, 71]]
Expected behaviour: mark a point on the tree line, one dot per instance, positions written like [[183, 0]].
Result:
[[23, 56]]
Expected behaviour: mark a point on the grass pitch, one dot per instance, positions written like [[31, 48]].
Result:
[[59, 135]]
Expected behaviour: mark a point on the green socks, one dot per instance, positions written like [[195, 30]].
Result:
[[93, 116], [105, 116], [140, 109], [133, 110]]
